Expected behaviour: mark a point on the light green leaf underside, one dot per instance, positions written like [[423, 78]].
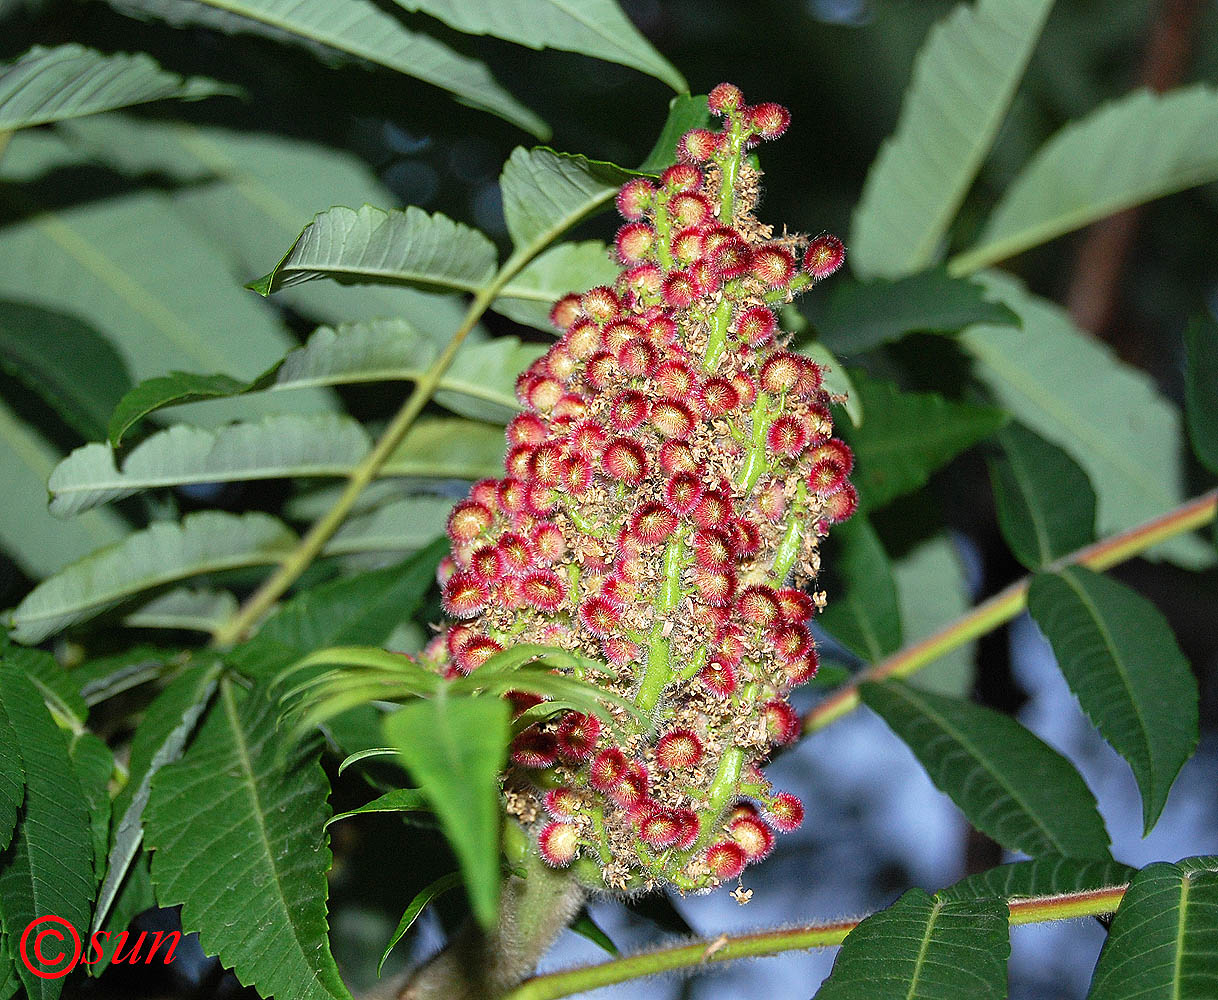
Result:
[[49, 867], [595, 28], [37, 541], [924, 949], [932, 589], [567, 267], [863, 614], [359, 28], [455, 748], [963, 80], [1123, 664], [397, 526], [835, 379], [370, 244], [163, 553], [1044, 876], [1163, 943], [1132, 150], [1008, 783], [545, 193], [239, 786], [51, 84], [1071, 390], [1044, 500], [198, 609], [274, 448]]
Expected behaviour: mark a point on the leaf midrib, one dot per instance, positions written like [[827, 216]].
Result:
[[919, 961]]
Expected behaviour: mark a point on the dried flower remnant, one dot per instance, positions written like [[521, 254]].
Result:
[[666, 490]]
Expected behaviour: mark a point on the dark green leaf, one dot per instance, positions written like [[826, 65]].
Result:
[[455, 748], [104, 677], [864, 615], [163, 553], [1163, 943], [134, 898], [1201, 388], [363, 31], [908, 435], [66, 362], [160, 739], [965, 75], [1044, 500], [417, 905], [49, 867], [166, 390], [406, 247], [395, 800], [94, 765], [240, 786], [49, 85], [12, 780], [684, 112], [59, 688], [1008, 783], [1044, 876], [922, 948], [863, 315], [585, 926], [596, 28], [1122, 662]]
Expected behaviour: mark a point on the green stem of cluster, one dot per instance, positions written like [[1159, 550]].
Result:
[[716, 341], [758, 944], [663, 233], [792, 539], [1008, 603], [796, 285], [659, 666], [756, 464]]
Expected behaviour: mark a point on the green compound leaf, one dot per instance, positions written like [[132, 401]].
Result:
[[160, 739], [163, 553], [908, 435], [1049, 875], [1044, 500], [932, 588], [49, 867], [49, 85], [1132, 150], [864, 614], [356, 28], [566, 267], [241, 786], [1108, 416], [1163, 943], [1009, 784], [596, 28], [455, 748], [405, 525], [864, 315], [167, 390], [1201, 389], [82, 378], [1122, 662], [406, 247], [443, 884], [922, 948], [963, 80], [545, 193]]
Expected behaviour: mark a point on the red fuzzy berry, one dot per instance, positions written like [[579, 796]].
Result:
[[600, 616], [682, 492], [689, 829], [513, 497], [587, 439], [635, 198], [566, 311], [724, 99], [745, 388], [678, 750], [601, 370], [517, 462], [485, 492], [787, 436], [781, 722], [718, 678], [802, 670], [630, 789], [577, 736], [758, 605], [654, 523], [576, 475], [544, 394], [675, 379], [625, 460], [467, 521], [672, 419], [637, 358], [606, 769], [836, 450], [563, 803], [545, 464], [662, 829], [810, 376], [644, 280], [824, 255], [515, 553], [661, 331], [681, 177], [689, 209], [731, 259], [687, 245], [697, 145], [773, 266], [842, 504], [601, 304], [754, 837], [780, 373], [465, 595], [561, 363], [633, 242], [474, 652], [796, 606], [680, 289], [583, 339], [756, 325], [548, 543], [627, 410], [486, 564], [526, 428], [558, 844], [713, 548], [676, 456], [826, 477], [620, 332], [544, 590], [719, 396], [540, 501], [713, 510], [717, 587], [790, 640], [769, 120], [618, 651], [726, 859], [746, 539], [534, 749], [785, 812]]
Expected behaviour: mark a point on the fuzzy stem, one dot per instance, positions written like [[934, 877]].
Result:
[[1066, 906], [756, 463], [1008, 603], [716, 341], [788, 548], [659, 666], [533, 911]]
